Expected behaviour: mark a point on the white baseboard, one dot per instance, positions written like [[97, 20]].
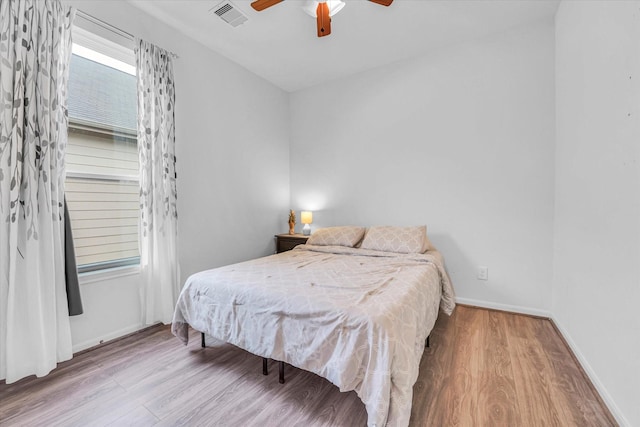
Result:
[[107, 337], [602, 391], [504, 307]]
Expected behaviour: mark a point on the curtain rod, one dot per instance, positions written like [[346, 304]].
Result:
[[111, 28]]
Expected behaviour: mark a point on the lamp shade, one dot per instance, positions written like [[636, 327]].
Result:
[[306, 217], [311, 6]]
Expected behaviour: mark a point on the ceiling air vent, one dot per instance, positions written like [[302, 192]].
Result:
[[229, 13]]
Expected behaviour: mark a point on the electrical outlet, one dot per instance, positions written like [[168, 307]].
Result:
[[483, 273]]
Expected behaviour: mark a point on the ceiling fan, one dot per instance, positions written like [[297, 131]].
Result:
[[321, 10]]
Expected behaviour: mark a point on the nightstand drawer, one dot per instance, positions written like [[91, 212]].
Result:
[[286, 242]]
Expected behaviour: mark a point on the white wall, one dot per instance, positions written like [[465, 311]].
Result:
[[111, 310], [596, 280], [461, 140], [232, 146]]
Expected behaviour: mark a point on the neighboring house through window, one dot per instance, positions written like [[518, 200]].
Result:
[[102, 156]]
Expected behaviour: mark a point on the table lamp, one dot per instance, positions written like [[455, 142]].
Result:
[[306, 218]]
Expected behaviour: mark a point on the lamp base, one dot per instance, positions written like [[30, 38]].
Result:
[[306, 230]]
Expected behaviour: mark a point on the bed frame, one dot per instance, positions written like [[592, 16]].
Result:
[[265, 369]]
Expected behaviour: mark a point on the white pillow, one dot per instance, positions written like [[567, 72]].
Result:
[[348, 236], [428, 246], [404, 240]]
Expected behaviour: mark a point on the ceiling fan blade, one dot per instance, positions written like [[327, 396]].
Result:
[[263, 4], [323, 19], [383, 2]]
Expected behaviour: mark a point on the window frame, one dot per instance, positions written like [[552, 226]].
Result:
[[96, 42]]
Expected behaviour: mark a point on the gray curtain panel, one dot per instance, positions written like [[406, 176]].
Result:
[[74, 301]]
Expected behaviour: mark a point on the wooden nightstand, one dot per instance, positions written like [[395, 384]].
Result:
[[286, 242]]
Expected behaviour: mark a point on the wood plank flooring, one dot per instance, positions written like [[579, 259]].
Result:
[[483, 368]]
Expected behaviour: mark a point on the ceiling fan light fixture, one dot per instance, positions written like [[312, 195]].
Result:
[[311, 6]]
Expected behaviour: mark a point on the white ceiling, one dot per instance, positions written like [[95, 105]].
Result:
[[280, 43]]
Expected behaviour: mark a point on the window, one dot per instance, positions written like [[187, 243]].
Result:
[[102, 156]]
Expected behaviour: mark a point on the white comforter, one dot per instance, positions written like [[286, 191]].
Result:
[[358, 318]]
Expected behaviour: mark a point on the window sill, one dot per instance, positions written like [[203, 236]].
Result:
[[108, 274]]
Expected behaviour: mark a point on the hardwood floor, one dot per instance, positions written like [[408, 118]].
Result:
[[483, 368]]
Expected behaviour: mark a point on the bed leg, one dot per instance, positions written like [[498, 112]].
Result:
[[281, 376], [202, 343], [427, 341], [265, 371]]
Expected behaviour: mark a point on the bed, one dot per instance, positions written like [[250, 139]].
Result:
[[357, 316]]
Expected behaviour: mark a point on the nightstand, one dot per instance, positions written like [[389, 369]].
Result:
[[286, 242]]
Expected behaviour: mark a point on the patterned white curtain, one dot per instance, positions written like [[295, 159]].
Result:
[[35, 49], [158, 211]]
